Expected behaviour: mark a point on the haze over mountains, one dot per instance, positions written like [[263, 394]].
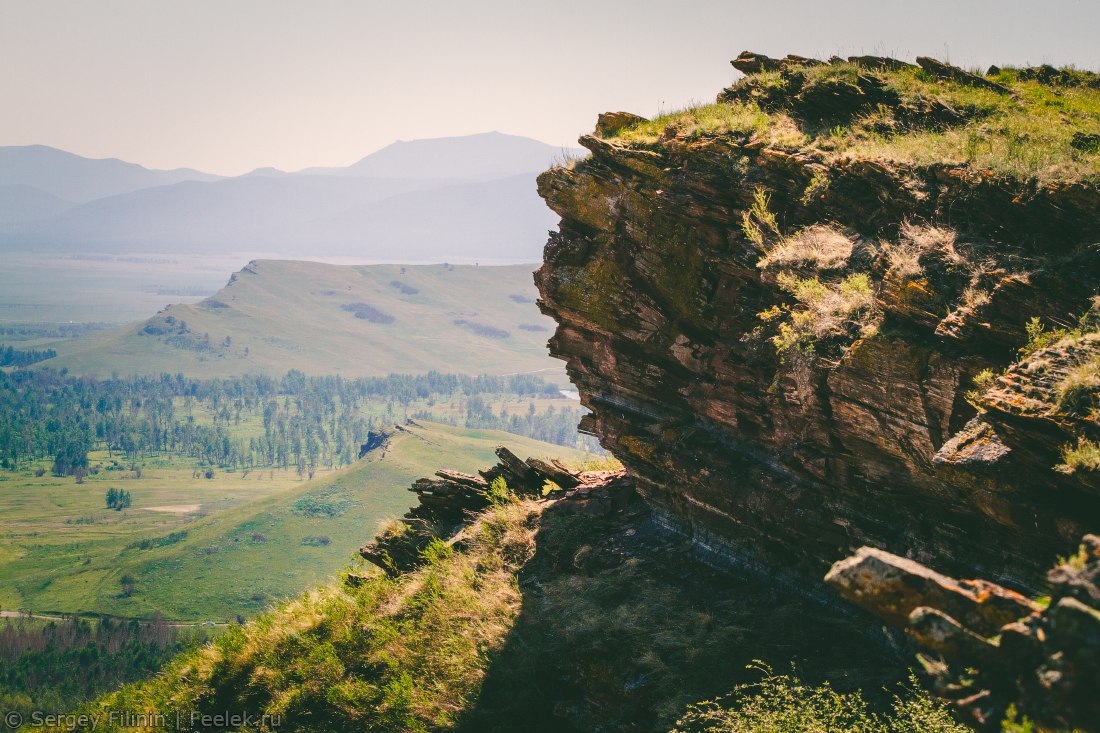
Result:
[[457, 199]]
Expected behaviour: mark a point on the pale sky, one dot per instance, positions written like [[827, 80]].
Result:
[[231, 85]]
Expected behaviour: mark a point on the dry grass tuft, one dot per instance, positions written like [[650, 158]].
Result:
[[916, 241], [818, 246], [1078, 391]]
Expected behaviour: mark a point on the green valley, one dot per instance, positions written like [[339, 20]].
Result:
[[211, 549]]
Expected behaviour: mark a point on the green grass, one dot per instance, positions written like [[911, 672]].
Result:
[[282, 315], [251, 541], [404, 653], [784, 704], [718, 119], [1084, 457], [1036, 132]]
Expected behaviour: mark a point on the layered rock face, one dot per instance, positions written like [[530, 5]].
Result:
[[781, 345]]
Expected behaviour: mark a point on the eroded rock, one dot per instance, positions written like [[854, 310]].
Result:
[[993, 647]]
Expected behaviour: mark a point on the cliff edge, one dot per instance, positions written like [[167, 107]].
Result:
[[848, 304]]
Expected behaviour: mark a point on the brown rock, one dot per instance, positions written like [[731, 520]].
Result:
[[753, 63], [893, 587], [610, 123], [959, 76]]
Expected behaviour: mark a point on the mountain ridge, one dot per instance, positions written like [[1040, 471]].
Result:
[[476, 188]]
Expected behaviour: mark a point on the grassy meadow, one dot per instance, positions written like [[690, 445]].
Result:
[[201, 549]]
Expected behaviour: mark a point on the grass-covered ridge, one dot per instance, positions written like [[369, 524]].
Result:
[[1046, 127], [544, 615]]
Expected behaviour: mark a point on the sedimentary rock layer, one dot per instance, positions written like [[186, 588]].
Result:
[[664, 283]]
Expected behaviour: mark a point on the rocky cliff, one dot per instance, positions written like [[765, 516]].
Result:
[[849, 304]]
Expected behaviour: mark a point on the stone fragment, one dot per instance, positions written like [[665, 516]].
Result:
[[948, 72], [753, 63], [937, 631], [610, 123], [893, 587]]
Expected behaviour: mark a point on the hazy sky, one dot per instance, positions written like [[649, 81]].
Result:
[[230, 85]]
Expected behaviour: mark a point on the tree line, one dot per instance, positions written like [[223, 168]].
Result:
[[12, 357], [58, 665], [307, 422]]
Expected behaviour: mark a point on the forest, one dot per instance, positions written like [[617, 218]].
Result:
[[295, 421], [13, 357], [57, 664]]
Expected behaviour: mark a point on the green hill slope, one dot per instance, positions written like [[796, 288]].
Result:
[[372, 320], [239, 559]]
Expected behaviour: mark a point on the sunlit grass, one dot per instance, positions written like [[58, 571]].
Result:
[[1037, 132], [717, 119]]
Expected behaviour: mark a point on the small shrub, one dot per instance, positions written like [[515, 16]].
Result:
[[817, 186], [405, 289], [328, 503], [367, 312], [984, 379], [759, 221], [499, 494], [1038, 337], [1085, 456], [824, 310], [128, 585], [482, 330], [975, 297], [154, 542], [783, 703], [914, 242]]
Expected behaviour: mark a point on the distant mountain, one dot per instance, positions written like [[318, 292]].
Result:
[[369, 320], [462, 198], [480, 157], [495, 220], [250, 212], [79, 179], [22, 203]]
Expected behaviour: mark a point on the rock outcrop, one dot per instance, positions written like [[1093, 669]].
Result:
[[994, 648], [786, 347], [447, 503]]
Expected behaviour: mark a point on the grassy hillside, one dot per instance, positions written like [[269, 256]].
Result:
[[323, 319], [549, 617], [199, 549]]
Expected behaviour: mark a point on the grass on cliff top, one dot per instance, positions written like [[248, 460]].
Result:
[[1028, 135]]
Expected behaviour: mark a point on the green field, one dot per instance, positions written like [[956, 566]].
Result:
[[354, 321], [250, 539]]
